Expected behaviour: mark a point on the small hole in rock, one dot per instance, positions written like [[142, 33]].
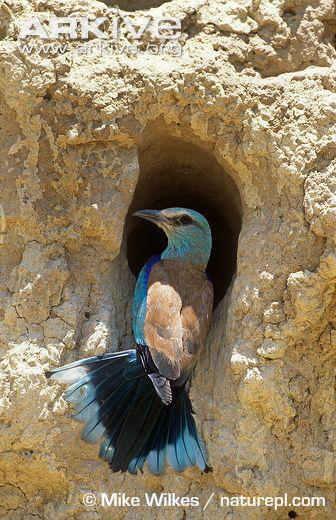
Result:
[[134, 5], [87, 315], [292, 514], [292, 19], [28, 453], [289, 12], [178, 173]]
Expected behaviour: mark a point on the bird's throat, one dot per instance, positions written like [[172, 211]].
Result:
[[187, 252]]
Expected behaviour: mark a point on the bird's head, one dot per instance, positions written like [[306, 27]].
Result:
[[188, 233]]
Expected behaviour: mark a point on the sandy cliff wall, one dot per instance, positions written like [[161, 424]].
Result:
[[242, 125]]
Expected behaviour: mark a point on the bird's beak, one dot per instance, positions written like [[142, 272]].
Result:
[[153, 215]]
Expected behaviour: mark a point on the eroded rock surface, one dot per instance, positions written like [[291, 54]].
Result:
[[255, 89]]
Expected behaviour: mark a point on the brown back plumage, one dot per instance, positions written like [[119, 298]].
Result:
[[179, 309]]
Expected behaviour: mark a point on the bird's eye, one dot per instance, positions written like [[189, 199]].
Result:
[[185, 220]]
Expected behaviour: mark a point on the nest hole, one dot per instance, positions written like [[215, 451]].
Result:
[[178, 173]]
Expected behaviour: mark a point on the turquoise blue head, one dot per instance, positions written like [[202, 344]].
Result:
[[188, 233]]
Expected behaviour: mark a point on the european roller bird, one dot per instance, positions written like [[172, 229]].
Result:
[[136, 401]]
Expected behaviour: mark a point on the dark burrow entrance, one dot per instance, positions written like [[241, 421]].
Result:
[[177, 173]]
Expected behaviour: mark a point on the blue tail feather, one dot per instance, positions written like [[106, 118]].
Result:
[[97, 377], [95, 427], [116, 400], [157, 455]]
